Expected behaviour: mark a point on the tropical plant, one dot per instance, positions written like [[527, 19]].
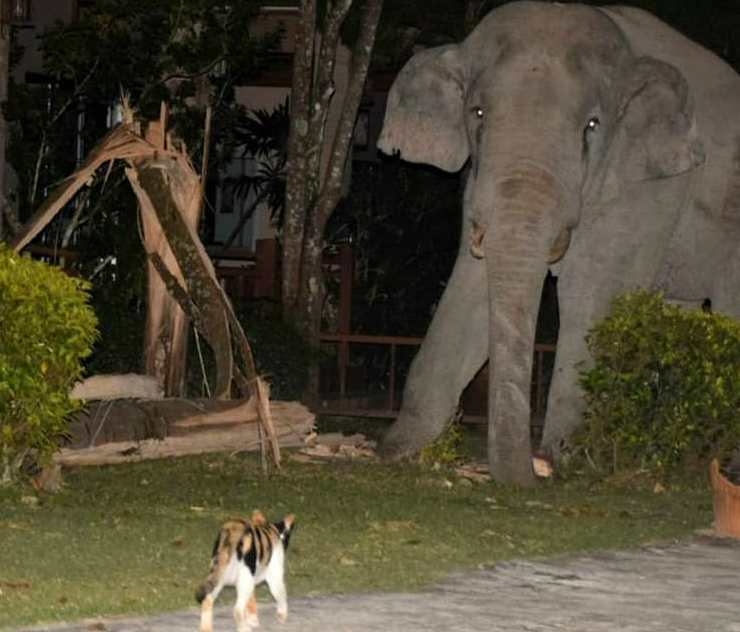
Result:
[[261, 136]]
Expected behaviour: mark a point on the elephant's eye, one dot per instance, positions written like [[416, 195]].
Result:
[[478, 112], [592, 125]]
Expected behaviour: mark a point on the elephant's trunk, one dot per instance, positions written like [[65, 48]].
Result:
[[517, 250]]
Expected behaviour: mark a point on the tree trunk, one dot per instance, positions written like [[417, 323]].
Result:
[[310, 298], [296, 187], [314, 76], [211, 318]]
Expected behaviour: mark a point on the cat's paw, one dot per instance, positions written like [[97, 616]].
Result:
[[253, 621], [282, 616]]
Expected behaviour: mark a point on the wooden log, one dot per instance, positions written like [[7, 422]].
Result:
[[117, 386], [221, 429], [139, 419]]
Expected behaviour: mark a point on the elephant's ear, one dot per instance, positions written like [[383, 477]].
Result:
[[424, 114], [657, 119]]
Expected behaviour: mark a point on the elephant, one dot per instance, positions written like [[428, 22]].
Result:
[[600, 145]]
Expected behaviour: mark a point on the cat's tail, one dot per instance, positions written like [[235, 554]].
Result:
[[221, 554]]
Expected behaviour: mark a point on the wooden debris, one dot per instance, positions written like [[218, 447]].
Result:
[[476, 472], [182, 282], [291, 429], [218, 413], [321, 448], [542, 465], [480, 473], [117, 386], [137, 420]]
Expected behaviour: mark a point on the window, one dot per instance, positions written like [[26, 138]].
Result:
[[229, 198]]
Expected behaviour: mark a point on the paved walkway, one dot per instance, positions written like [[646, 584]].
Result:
[[691, 587]]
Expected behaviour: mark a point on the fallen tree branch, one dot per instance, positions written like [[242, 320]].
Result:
[[182, 280]]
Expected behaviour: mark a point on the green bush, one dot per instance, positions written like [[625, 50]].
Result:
[[447, 449], [664, 391], [46, 328]]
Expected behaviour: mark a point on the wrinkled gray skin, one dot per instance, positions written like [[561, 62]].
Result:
[[604, 146]]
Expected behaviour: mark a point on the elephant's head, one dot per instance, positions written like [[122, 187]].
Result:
[[554, 112]]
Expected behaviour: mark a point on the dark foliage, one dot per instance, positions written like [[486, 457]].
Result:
[[280, 354], [403, 222]]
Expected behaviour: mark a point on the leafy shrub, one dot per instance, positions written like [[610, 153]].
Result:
[[46, 328], [664, 391], [445, 449]]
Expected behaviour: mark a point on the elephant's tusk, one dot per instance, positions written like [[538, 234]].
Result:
[[559, 246], [476, 240]]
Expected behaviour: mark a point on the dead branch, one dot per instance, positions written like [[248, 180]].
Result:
[[120, 143], [177, 291], [173, 427], [182, 279]]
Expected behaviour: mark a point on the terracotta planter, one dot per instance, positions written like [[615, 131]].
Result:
[[726, 503]]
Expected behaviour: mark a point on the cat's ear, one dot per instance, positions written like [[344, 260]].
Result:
[[289, 521], [258, 518]]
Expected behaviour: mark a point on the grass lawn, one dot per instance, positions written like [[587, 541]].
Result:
[[133, 539]]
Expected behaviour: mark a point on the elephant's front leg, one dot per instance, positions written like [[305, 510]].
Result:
[[454, 349], [565, 402], [585, 290]]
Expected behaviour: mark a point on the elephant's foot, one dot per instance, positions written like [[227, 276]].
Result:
[[400, 442], [564, 416], [411, 433]]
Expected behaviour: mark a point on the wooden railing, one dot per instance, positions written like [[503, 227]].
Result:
[[344, 341], [342, 404]]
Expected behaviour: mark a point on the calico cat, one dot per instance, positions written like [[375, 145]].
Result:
[[246, 553]]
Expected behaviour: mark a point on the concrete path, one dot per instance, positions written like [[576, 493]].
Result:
[[691, 587]]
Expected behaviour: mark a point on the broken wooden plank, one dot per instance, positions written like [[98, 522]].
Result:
[[107, 386], [139, 419], [242, 438]]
